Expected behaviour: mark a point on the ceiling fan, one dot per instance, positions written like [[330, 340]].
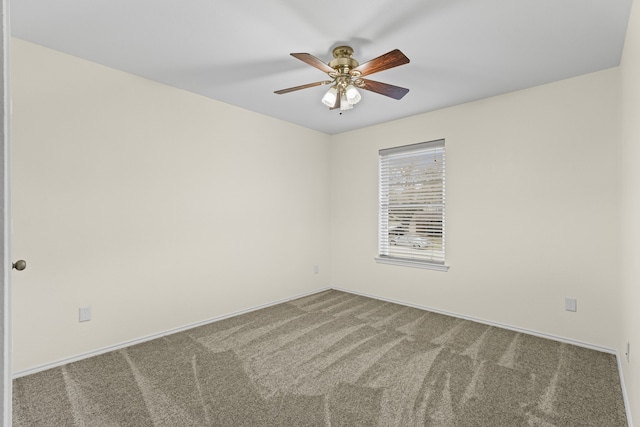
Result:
[[346, 75]]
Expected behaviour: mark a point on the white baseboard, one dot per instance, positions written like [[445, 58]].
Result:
[[627, 404], [486, 322], [129, 343]]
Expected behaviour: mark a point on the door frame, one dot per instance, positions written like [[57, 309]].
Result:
[[5, 219]]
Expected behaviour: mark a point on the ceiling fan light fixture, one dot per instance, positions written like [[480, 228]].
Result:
[[353, 96], [345, 73], [329, 98]]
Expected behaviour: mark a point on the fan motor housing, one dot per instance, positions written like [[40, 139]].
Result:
[[342, 58]]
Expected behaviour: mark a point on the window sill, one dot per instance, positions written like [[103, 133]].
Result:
[[411, 263]]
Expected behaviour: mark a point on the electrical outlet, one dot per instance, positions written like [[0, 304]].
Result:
[[316, 269], [84, 314], [571, 304]]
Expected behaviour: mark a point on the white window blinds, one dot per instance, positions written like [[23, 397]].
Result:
[[412, 202]]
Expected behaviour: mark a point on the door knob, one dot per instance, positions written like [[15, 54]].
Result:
[[20, 265]]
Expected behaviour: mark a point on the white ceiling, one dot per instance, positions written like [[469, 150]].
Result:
[[238, 51]]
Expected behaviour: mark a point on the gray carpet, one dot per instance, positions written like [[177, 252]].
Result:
[[331, 359]]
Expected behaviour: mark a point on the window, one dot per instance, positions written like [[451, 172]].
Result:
[[411, 205]]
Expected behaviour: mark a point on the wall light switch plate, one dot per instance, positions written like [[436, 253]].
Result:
[[571, 304]]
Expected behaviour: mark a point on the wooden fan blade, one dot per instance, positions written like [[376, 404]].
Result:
[[313, 61], [292, 89], [395, 92], [391, 59]]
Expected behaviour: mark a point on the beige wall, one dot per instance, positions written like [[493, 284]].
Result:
[[532, 207], [156, 207], [630, 212]]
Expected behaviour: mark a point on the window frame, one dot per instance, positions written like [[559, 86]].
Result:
[[414, 255]]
